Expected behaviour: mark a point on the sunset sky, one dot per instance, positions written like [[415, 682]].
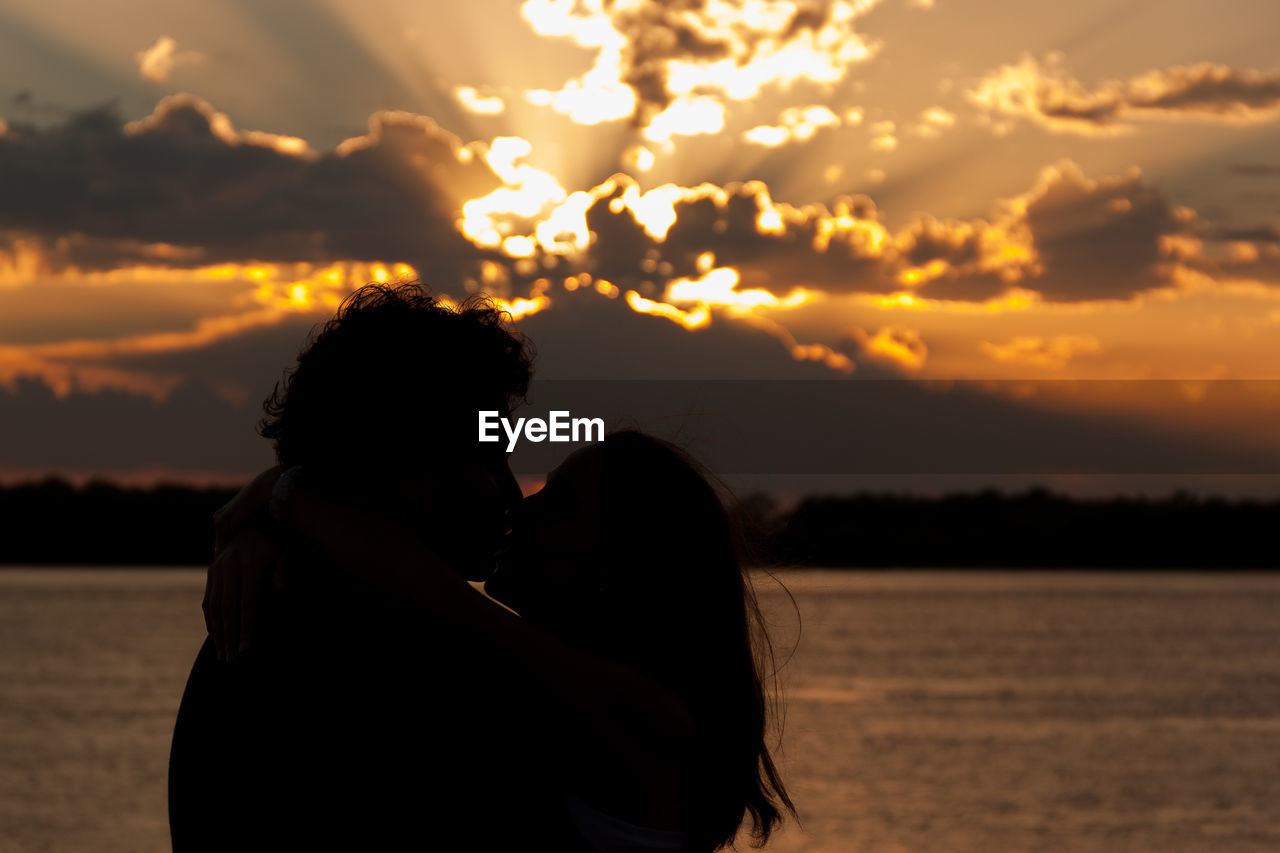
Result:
[[923, 189]]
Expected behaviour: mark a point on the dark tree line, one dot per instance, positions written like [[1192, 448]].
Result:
[[54, 523], [1035, 528]]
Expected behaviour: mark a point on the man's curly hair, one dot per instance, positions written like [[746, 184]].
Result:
[[395, 379]]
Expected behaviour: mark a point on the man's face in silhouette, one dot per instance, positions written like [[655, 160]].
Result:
[[465, 511]]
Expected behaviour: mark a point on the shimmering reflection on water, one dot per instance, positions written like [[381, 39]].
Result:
[[930, 711], [1059, 712]]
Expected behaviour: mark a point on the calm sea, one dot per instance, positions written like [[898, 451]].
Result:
[[926, 711]]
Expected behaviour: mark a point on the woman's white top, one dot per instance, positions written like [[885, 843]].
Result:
[[609, 834]]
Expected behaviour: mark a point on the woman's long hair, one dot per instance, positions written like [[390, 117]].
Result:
[[681, 608]]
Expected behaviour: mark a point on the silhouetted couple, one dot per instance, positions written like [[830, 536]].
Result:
[[357, 693]]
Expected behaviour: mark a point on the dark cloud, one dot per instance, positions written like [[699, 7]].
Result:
[[847, 259], [1256, 170], [113, 432], [656, 36], [1206, 88], [754, 410], [724, 223], [1251, 253], [248, 363], [1256, 233], [973, 268], [59, 309], [96, 191], [1099, 239], [207, 425], [933, 240], [25, 103], [585, 335], [1047, 94], [1070, 238], [658, 33], [184, 188]]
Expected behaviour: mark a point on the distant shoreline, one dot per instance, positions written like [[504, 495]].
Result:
[[55, 524]]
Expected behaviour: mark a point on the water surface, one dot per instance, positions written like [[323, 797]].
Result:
[[927, 711]]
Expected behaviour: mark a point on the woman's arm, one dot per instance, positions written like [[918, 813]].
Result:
[[594, 706]]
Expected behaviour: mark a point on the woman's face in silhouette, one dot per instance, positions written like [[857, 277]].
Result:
[[552, 559]]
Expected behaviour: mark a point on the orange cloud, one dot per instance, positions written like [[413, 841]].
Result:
[[268, 294], [479, 213], [898, 345], [1052, 353], [932, 122], [1046, 94], [188, 114], [1239, 253], [479, 217], [1069, 238], [215, 193], [672, 69], [473, 101], [795, 124], [157, 62], [74, 364]]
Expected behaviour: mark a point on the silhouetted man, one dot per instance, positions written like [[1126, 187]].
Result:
[[348, 723]]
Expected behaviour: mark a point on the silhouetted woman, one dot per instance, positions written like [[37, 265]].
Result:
[[637, 656]]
